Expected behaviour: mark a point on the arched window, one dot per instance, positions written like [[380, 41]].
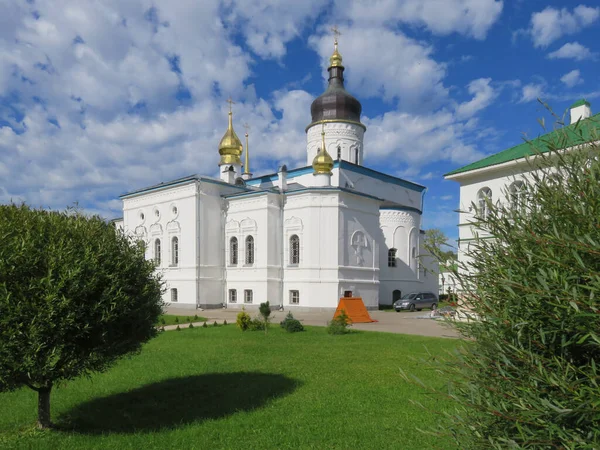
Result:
[[414, 252], [294, 250], [174, 295], [249, 250], [356, 155], [233, 251], [339, 155], [484, 199], [517, 193], [157, 252], [175, 251], [392, 257]]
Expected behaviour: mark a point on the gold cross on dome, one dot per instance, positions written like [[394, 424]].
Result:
[[336, 33], [231, 102]]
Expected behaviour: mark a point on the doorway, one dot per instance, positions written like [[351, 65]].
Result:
[[396, 295]]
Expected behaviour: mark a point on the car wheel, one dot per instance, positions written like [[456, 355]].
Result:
[[412, 307], [419, 309], [433, 307]]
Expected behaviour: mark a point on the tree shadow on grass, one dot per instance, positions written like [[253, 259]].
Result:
[[176, 401]]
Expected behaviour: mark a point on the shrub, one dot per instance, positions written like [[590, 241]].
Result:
[[290, 324], [191, 325], [224, 322], [204, 325], [196, 317], [528, 378], [339, 324], [243, 320], [256, 324], [265, 312], [178, 329], [176, 319], [188, 319], [215, 324], [162, 321]]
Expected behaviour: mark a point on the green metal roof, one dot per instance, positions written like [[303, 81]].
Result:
[[578, 133], [581, 102]]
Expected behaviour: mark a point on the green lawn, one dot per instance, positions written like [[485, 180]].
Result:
[[219, 388], [179, 320]]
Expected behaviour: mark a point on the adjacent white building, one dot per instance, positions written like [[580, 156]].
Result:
[[502, 177], [299, 238]]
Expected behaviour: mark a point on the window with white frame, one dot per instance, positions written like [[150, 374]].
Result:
[[339, 153], [249, 250], [294, 249], [392, 257], [484, 199], [174, 295], [233, 251], [232, 296], [157, 251], [517, 194], [174, 251], [294, 297], [247, 295]]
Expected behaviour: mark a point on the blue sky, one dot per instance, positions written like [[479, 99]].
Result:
[[100, 98]]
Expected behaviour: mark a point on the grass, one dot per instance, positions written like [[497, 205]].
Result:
[[179, 320], [221, 388]]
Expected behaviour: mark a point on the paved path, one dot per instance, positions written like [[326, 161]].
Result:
[[388, 322]]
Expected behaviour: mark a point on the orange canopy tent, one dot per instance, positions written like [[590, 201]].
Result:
[[355, 310]]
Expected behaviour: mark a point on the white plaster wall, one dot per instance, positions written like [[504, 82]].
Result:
[[165, 226], [359, 238], [347, 136], [258, 216], [401, 230], [313, 217]]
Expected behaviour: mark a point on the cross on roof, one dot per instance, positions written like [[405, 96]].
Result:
[[336, 33], [246, 127], [231, 102]]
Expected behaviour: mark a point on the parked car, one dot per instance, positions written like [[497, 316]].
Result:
[[416, 300]]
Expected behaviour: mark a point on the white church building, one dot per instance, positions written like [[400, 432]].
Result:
[[298, 238]]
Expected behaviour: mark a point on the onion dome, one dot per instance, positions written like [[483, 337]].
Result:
[[230, 147], [335, 104], [323, 162]]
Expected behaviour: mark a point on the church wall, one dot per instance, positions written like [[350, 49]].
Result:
[[348, 137], [313, 217], [176, 208], [359, 240], [259, 216], [401, 231], [371, 184]]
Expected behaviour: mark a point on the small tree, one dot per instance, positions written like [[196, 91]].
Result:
[[436, 244], [75, 296], [528, 378], [265, 312]]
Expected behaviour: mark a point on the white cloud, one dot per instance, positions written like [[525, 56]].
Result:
[[483, 95], [531, 91], [268, 26], [572, 78], [468, 17], [572, 50], [405, 72], [550, 24]]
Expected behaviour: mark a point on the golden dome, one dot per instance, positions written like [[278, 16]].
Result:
[[323, 162], [335, 60], [230, 147]]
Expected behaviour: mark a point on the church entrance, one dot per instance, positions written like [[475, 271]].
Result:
[[396, 295], [347, 294]]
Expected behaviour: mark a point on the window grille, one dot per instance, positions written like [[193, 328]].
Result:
[[249, 250], [232, 296], [294, 297], [157, 252], [247, 296], [233, 251], [175, 251], [392, 257], [174, 295], [294, 250]]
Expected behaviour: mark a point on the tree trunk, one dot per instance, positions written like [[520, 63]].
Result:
[[44, 407]]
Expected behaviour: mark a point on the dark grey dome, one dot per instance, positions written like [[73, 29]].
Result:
[[335, 103]]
